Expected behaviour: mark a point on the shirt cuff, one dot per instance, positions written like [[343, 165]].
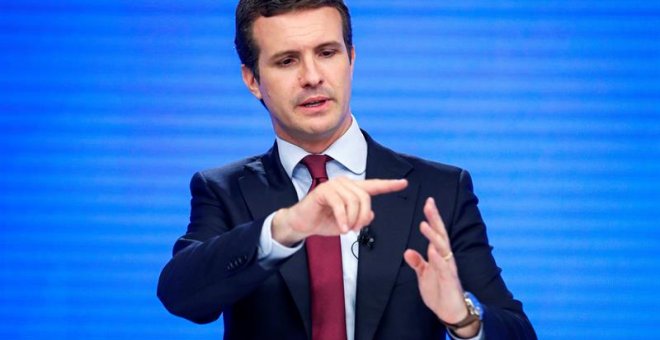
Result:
[[479, 336], [271, 251]]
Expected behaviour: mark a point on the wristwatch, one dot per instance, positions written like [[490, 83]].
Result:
[[475, 313]]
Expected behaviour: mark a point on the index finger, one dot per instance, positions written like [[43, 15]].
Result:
[[382, 186]]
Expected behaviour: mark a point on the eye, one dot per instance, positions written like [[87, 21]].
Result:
[[328, 53], [286, 62]]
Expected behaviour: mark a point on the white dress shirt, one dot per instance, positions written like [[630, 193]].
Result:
[[349, 158]]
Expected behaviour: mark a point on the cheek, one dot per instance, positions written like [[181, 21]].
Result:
[[345, 81], [275, 93], [266, 94], [277, 102], [346, 90]]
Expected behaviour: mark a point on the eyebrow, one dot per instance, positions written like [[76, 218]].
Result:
[[331, 44]]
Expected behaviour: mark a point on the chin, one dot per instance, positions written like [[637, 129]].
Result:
[[326, 127]]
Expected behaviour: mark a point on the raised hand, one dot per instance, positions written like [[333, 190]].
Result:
[[437, 278]]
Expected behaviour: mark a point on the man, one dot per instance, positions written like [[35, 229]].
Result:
[[322, 236]]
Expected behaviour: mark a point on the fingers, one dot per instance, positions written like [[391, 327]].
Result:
[[434, 229], [437, 241], [360, 205], [415, 261], [336, 203], [382, 186], [439, 253], [355, 197], [434, 219], [348, 202], [350, 205]]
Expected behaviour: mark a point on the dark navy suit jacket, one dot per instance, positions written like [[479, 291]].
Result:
[[215, 271]]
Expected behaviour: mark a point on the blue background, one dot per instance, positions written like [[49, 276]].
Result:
[[108, 107]]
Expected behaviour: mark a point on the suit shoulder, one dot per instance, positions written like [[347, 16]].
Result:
[[450, 176], [226, 174], [426, 166]]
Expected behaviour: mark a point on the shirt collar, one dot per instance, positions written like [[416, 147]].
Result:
[[350, 150]]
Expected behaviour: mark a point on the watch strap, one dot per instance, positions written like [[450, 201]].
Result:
[[474, 313]]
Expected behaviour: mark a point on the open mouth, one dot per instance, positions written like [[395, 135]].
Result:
[[314, 102]]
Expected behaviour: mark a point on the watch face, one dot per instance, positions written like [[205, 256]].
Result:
[[472, 301]]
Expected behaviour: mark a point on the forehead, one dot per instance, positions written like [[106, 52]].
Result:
[[297, 30]]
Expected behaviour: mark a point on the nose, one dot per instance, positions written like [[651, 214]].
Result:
[[310, 75]]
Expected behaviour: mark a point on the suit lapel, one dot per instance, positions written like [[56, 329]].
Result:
[[267, 188], [378, 267]]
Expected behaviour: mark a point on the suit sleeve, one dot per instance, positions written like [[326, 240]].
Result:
[[215, 263], [503, 315]]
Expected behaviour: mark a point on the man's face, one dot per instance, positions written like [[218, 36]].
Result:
[[305, 76]]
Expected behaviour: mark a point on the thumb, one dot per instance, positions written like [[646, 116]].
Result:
[[415, 261]]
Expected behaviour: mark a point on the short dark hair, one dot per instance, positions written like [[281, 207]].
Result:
[[248, 11]]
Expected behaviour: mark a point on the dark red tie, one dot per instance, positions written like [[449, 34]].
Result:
[[325, 270]]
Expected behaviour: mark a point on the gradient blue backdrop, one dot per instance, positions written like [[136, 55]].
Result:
[[107, 108]]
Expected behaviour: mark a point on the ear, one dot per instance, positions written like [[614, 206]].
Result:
[[250, 81], [352, 59]]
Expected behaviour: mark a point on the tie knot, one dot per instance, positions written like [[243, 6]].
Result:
[[316, 166]]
